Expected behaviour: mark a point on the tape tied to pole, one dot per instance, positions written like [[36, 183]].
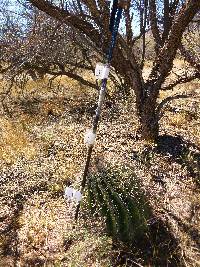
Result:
[[90, 137], [73, 194], [102, 71]]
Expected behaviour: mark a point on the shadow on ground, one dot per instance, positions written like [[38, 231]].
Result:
[[192, 232], [155, 245], [10, 224], [177, 150], [181, 151], [160, 248]]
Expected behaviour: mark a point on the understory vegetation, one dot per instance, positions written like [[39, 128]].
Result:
[[141, 203]]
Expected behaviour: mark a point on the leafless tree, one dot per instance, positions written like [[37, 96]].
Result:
[[167, 20], [43, 46]]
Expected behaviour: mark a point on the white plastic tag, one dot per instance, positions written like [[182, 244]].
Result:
[[98, 70], [78, 196], [101, 71], [69, 192], [89, 137], [105, 72], [72, 194]]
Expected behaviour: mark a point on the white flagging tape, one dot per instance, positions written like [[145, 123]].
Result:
[[89, 138], [69, 192], [101, 71], [105, 72], [73, 194], [98, 70], [77, 196]]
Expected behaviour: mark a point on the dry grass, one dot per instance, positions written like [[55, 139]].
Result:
[[15, 142], [42, 150]]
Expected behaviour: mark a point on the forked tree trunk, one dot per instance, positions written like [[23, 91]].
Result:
[[125, 62]]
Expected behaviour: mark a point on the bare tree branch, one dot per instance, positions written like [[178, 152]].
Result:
[[181, 80], [166, 24], [189, 57], [66, 17], [143, 33], [164, 61], [154, 25], [128, 22], [169, 99]]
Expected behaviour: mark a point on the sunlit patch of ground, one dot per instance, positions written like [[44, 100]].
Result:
[[15, 142], [42, 151], [47, 235]]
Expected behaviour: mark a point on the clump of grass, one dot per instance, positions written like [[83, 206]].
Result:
[[88, 250], [15, 142], [116, 195]]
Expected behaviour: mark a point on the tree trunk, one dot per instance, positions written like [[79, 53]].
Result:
[[149, 124], [148, 119]]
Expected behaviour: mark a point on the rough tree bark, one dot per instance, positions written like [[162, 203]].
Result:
[[167, 37], [162, 66]]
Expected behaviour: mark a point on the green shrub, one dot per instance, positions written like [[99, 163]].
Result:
[[117, 196]]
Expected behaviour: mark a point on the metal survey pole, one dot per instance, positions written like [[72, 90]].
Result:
[[114, 26]]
